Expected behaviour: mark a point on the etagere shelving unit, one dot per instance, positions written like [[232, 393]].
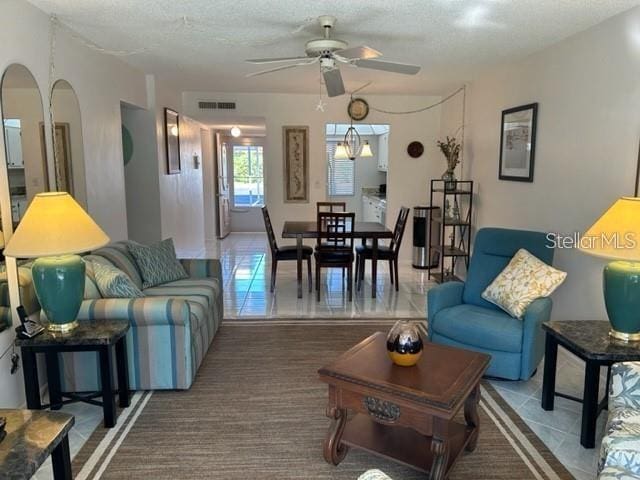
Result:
[[455, 228]]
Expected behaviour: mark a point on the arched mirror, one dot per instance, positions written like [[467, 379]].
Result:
[[25, 153], [67, 142]]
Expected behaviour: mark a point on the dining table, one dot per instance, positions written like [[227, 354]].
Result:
[[361, 230]]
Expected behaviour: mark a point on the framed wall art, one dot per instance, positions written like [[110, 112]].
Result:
[[172, 140], [296, 163], [518, 143]]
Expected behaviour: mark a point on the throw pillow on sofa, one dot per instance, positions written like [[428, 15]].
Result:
[[523, 280], [114, 283], [157, 263]]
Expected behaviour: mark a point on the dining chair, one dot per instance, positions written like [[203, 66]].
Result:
[[334, 248], [283, 253], [390, 253], [331, 207]]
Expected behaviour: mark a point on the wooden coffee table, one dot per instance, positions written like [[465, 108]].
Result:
[[404, 413]]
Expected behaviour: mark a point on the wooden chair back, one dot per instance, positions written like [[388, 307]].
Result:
[[335, 230], [331, 207], [398, 231], [270, 234]]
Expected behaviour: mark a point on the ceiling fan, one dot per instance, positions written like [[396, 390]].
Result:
[[329, 52]]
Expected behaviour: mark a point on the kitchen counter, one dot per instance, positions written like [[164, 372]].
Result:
[[374, 206]]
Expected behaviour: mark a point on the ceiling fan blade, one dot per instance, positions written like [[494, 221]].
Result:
[[275, 60], [362, 52], [333, 82], [276, 69], [403, 68]]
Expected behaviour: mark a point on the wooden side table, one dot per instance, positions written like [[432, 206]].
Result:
[[31, 437], [590, 341], [99, 336], [424, 398]]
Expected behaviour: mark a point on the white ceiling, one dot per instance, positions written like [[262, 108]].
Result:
[[201, 44]]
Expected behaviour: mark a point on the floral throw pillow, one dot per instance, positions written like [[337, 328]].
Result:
[[113, 282], [157, 263], [523, 280]]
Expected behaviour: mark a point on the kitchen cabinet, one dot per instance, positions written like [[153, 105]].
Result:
[[383, 152], [373, 209], [13, 143], [18, 208]]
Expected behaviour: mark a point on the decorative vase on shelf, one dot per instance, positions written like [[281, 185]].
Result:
[[404, 344], [451, 151], [449, 180]]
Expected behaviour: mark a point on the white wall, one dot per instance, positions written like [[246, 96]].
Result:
[[141, 176], [100, 82], [208, 185], [588, 90], [407, 178], [181, 195]]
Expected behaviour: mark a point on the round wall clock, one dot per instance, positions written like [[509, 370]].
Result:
[[358, 109], [415, 149]]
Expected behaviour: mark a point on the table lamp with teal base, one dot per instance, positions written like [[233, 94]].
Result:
[[616, 236], [54, 229]]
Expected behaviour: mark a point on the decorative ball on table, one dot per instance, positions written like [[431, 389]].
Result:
[[616, 236], [54, 230], [404, 344]]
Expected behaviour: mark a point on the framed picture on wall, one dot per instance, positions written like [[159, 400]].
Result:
[[172, 140], [296, 164], [518, 143]]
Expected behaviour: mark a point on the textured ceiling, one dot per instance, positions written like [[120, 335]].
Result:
[[201, 44]]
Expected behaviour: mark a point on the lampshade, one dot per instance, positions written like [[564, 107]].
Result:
[[341, 152], [54, 224], [616, 234], [366, 150]]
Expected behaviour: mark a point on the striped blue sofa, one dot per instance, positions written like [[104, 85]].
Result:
[[620, 449], [171, 327]]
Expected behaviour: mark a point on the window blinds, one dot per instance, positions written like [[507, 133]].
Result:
[[340, 173]]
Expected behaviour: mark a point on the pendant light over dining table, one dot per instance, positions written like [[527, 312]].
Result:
[[352, 146]]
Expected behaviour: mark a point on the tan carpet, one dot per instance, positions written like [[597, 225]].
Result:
[[256, 411]]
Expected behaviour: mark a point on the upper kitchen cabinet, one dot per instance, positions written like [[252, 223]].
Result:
[[383, 152]]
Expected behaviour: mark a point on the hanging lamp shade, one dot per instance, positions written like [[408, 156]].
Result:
[[366, 150], [341, 152]]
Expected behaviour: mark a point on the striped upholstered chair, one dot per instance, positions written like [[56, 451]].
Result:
[[171, 327]]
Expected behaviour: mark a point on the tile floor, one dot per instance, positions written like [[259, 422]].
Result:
[[246, 267]]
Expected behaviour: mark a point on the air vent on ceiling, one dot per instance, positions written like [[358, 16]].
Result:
[[217, 105]]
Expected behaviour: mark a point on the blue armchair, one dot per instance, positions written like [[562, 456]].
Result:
[[460, 317]]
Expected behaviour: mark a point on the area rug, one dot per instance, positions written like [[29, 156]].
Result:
[[256, 411]]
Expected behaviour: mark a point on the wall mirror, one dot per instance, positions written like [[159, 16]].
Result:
[[25, 153], [68, 165]]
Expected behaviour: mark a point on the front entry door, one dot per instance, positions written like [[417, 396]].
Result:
[[222, 188]]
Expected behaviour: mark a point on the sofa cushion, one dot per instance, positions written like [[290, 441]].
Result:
[[616, 473], [473, 325], [206, 288], [493, 248], [522, 281], [114, 283], [91, 290], [621, 444], [157, 263], [118, 254]]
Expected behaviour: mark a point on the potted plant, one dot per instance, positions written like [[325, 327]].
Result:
[[451, 151]]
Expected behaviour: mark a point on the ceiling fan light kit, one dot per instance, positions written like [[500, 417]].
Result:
[[329, 52]]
